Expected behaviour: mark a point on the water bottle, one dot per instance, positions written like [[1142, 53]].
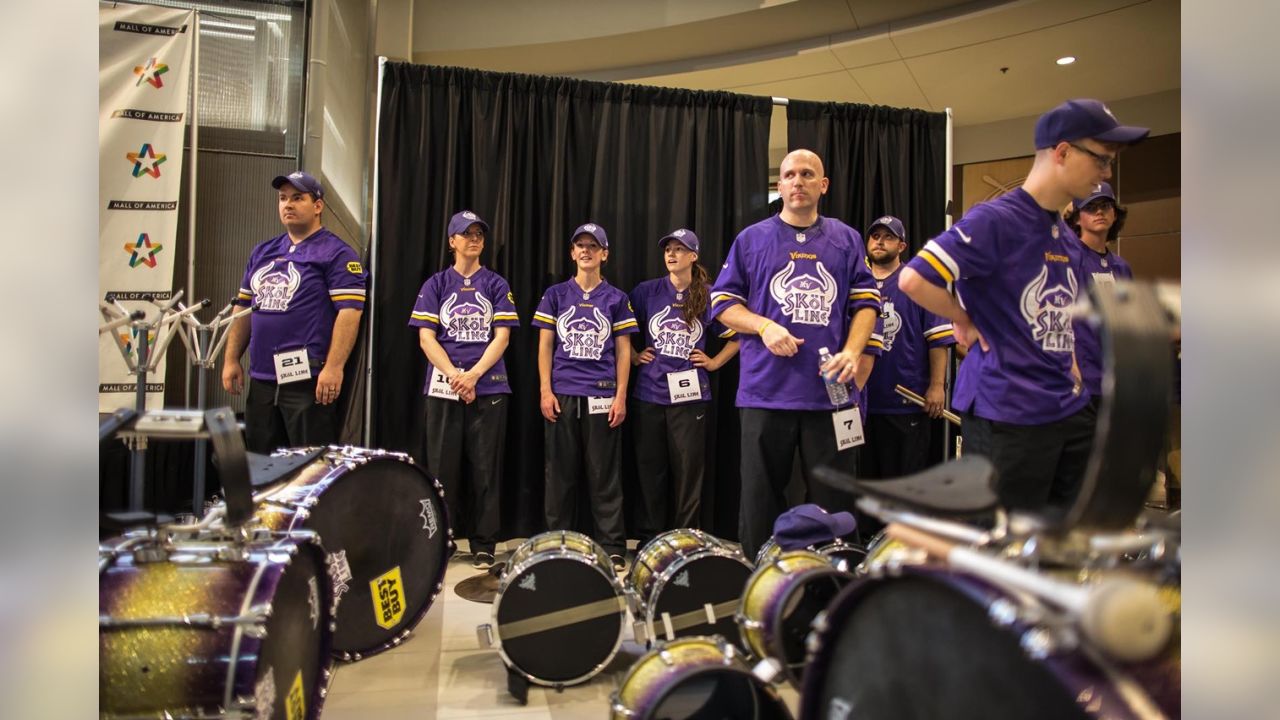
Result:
[[837, 392]]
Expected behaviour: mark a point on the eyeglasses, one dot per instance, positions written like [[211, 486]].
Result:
[[1097, 207], [473, 235], [1104, 161]]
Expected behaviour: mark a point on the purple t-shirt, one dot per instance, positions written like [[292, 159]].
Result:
[[810, 282], [1107, 267], [659, 311], [463, 313], [585, 323], [1016, 271], [910, 332], [299, 290]]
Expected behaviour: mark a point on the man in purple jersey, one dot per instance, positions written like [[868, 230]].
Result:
[[1016, 270], [915, 357], [464, 315], [791, 285], [308, 287], [1096, 220]]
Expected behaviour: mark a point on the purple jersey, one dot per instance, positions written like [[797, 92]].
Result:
[[810, 282], [585, 323], [299, 290], [1016, 272], [910, 332], [1097, 268], [660, 313], [463, 312]]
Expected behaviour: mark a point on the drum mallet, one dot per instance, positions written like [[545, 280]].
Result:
[[914, 397]]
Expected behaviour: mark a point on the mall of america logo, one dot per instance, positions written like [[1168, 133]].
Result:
[[150, 73], [142, 252], [146, 161]]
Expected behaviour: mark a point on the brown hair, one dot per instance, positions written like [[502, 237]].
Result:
[[698, 291], [1122, 212]]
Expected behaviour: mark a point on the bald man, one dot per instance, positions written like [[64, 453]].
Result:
[[793, 285]]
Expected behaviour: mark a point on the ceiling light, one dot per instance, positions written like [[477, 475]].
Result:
[[1066, 60]]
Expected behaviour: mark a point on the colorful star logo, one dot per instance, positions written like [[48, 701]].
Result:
[[148, 156], [150, 73], [142, 252], [129, 337]]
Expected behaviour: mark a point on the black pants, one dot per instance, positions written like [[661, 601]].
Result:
[[671, 445], [288, 415], [1039, 467], [580, 445], [464, 450], [769, 442], [897, 445]]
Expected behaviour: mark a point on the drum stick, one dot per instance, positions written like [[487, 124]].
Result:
[[947, 415], [1123, 617]]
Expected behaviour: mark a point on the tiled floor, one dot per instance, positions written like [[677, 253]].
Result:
[[441, 672]]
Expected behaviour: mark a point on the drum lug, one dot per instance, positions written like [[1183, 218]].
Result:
[[767, 670], [1003, 612], [1039, 643], [484, 636], [640, 632]]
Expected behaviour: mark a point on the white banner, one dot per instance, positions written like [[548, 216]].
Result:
[[144, 61]]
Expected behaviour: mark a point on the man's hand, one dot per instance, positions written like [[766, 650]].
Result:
[[644, 357], [549, 405], [934, 400], [845, 363], [329, 383], [779, 340], [617, 410], [967, 334], [232, 377]]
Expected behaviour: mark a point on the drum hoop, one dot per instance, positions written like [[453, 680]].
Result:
[[733, 664], [661, 579], [791, 580]]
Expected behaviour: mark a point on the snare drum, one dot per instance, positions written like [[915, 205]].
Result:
[[688, 582], [843, 555], [560, 609], [383, 522], [780, 601], [930, 642], [701, 677], [213, 628]]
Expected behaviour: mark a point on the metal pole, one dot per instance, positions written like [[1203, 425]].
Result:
[[947, 221], [138, 454], [373, 264], [194, 160], [204, 338]]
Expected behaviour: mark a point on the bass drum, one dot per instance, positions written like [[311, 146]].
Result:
[[695, 678], [688, 582], [560, 609], [383, 522], [931, 642], [200, 628]]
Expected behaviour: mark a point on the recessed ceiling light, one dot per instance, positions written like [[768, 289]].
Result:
[[1066, 60]]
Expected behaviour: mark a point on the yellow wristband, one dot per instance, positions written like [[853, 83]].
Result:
[[760, 331]]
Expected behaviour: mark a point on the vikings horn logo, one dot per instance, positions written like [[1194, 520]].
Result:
[[1048, 311], [274, 289], [892, 324], [582, 338], [671, 336], [805, 298], [465, 322]]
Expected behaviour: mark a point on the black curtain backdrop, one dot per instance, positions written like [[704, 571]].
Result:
[[881, 161], [536, 157]]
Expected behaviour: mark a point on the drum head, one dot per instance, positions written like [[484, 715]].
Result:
[[915, 647], [795, 615], [559, 619], [719, 694], [691, 585], [296, 648]]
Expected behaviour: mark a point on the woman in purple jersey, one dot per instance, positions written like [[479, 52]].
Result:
[[464, 315], [672, 390]]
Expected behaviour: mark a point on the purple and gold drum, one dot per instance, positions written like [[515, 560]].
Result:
[[688, 582], [383, 523], [695, 677], [930, 642], [212, 628], [781, 600], [845, 556]]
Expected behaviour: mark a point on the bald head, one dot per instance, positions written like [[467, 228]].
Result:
[[801, 183], [807, 157]]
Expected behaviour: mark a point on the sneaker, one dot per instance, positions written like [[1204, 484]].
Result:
[[482, 560], [619, 563]]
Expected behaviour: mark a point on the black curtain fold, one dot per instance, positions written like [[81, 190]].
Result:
[[881, 161], [536, 157]]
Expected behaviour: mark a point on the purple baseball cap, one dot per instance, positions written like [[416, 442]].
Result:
[[805, 525], [890, 223], [1102, 191], [302, 181], [459, 223], [683, 236], [594, 231], [1084, 118]]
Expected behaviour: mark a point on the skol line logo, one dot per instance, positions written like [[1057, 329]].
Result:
[[388, 598], [150, 73], [142, 252], [146, 161]]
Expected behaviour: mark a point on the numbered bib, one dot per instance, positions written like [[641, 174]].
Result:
[[848, 424], [292, 366], [599, 405], [684, 386], [439, 386]]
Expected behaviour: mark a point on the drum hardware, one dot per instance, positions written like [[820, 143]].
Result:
[[686, 579], [949, 529], [917, 399]]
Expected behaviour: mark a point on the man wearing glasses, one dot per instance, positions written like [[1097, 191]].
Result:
[[1006, 275]]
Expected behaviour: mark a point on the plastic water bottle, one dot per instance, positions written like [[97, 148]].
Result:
[[837, 392]]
